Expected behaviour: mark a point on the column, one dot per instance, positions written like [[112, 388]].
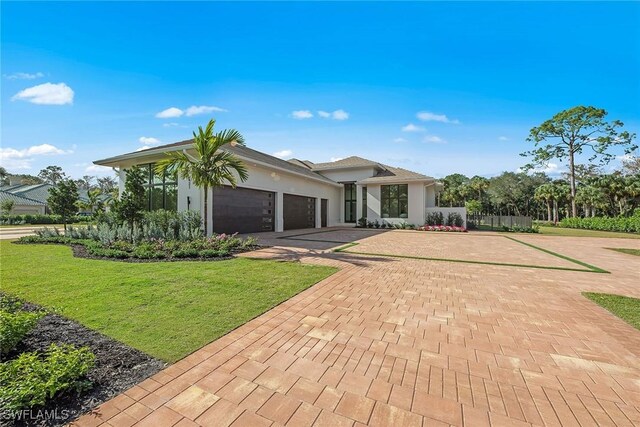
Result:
[[318, 212], [358, 202]]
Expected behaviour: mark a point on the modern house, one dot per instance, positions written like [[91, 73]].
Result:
[[32, 198], [295, 194]]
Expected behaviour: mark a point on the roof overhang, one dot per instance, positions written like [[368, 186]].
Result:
[[394, 180], [154, 154]]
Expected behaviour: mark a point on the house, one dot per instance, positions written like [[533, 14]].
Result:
[[295, 194], [23, 205], [32, 198]]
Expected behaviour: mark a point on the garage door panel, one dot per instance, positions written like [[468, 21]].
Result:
[[242, 210], [299, 212]]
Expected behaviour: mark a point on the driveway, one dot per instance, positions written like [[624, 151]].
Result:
[[397, 337]]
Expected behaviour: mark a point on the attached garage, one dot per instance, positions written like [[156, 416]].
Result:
[[299, 212], [243, 210]]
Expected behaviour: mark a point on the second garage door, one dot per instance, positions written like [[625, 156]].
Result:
[[242, 210], [299, 212]]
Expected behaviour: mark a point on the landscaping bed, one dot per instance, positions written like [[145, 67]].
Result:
[[116, 368], [220, 246]]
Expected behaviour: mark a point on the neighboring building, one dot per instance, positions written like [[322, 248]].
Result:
[[285, 195], [23, 205], [37, 195]]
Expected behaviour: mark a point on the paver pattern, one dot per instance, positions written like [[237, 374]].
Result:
[[402, 342]]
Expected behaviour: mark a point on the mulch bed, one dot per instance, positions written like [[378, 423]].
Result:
[[118, 367]]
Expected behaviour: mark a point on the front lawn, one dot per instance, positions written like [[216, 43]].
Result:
[[635, 252], [167, 310], [578, 232], [626, 308]]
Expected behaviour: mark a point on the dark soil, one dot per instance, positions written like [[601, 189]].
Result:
[[117, 368]]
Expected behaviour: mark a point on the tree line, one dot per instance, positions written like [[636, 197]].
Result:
[[584, 190]]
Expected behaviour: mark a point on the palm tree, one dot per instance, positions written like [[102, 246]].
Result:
[[545, 193], [211, 166]]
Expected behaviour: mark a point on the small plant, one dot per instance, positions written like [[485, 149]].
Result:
[[14, 325], [33, 378], [362, 222]]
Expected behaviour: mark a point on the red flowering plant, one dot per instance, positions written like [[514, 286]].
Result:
[[449, 228]]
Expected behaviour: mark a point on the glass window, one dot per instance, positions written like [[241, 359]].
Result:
[[161, 190], [350, 202], [364, 202], [395, 201]]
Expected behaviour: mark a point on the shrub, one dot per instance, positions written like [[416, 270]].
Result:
[[32, 378], [621, 224], [446, 228], [40, 219], [212, 253], [14, 325], [362, 222], [455, 219], [435, 218]]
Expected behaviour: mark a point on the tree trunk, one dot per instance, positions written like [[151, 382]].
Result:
[[548, 211], [555, 212], [206, 210], [572, 182]]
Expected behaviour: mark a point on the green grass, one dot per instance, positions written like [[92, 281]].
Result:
[[578, 232], [166, 309], [626, 308], [635, 252]]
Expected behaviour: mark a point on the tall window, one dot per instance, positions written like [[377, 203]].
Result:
[[364, 202], [394, 200], [350, 203], [161, 190]]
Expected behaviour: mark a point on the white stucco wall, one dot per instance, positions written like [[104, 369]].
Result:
[[415, 198], [262, 178], [349, 175]]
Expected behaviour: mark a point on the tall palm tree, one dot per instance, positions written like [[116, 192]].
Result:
[[545, 193], [211, 166]]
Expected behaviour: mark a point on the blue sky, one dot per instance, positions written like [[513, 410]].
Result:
[[84, 81]]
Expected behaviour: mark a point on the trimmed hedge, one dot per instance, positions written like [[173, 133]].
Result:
[[621, 224], [40, 219]]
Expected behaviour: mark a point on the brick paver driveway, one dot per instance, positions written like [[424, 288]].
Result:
[[392, 341]]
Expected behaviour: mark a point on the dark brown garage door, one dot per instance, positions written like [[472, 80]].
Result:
[[299, 212], [242, 210]]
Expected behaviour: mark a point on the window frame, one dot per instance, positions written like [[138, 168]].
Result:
[[165, 184], [392, 201]]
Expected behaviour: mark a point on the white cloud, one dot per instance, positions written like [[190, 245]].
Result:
[[12, 158], [170, 113], [427, 116], [433, 139], [335, 115], [283, 154], [399, 140], [23, 76], [412, 128], [168, 125], [97, 169], [549, 169], [46, 94], [202, 109], [503, 138], [148, 140], [335, 159], [339, 115], [301, 114]]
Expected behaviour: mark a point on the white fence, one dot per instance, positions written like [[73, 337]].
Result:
[[462, 211]]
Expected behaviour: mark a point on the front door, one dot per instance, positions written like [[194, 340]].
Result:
[[350, 202]]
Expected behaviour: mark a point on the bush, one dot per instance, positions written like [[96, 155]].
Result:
[[362, 222], [32, 378], [521, 229], [40, 219], [434, 218], [454, 219], [621, 224], [14, 325]]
